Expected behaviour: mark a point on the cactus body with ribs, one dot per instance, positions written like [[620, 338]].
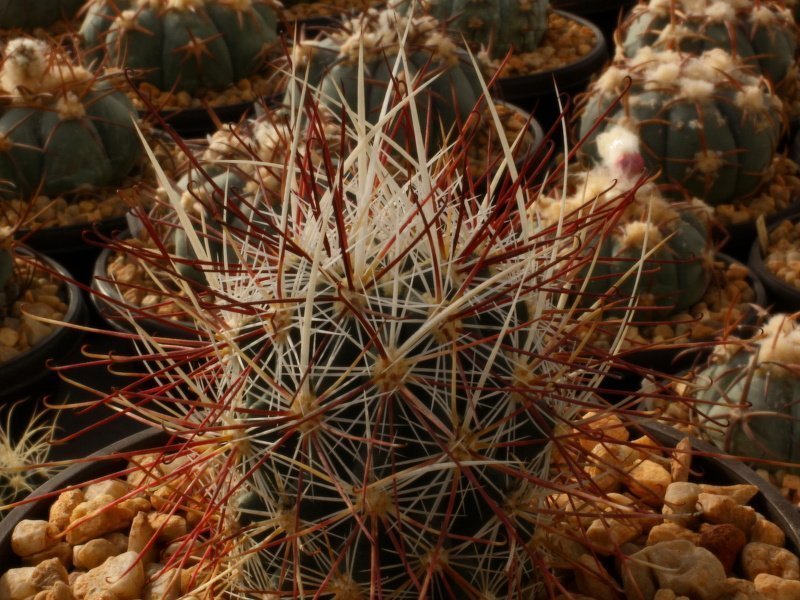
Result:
[[707, 126], [62, 128], [186, 45]]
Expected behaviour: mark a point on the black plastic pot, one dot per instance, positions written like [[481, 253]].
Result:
[[709, 468], [784, 295], [537, 92], [198, 121], [79, 473], [604, 14], [740, 237], [26, 370]]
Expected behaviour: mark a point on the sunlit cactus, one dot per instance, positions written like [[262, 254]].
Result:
[[182, 45], [62, 128]]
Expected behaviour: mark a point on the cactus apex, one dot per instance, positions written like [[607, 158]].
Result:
[[619, 150], [25, 65], [780, 345]]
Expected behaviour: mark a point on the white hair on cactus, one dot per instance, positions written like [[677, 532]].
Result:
[[25, 65], [721, 11], [763, 16], [615, 144], [750, 97], [697, 90], [719, 60], [611, 80], [779, 348], [70, 107], [708, 162], [664, 75], [639, 234]]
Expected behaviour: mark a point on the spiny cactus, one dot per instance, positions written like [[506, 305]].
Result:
[[445, 83], [182, 45], [502, 26], [749, 393], [757, 32], [669, 243], [705, 125], [62, 128], [30, 14], [382, 381]]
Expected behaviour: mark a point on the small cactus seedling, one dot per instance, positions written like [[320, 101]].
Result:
[[32, 14], [182, 45], [502, 26], [62, 128], [705, 125], [749, 402], [758, 32]]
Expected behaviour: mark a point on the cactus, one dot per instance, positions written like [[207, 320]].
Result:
[[183, 45], [63, 128], [382, 379], [670, 243], [759, 33], [705, 125], [749, 398], [503, 26], [332, 65], [31, 14]]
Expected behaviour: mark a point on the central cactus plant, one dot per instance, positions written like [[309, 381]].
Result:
[[182, 45], [62, 128]]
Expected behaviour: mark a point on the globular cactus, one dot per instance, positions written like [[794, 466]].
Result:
[[31, 14], [748, 396], [62, 128], [653, 251], [446, 87], [502, 26], [183, 45], [383, 381], [760, 33], [706, 126]]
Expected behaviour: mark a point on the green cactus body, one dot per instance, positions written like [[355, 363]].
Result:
[[189, 46], [331, 65], [751, 398], [501, 25], [62, 130], [671, 242], [759, 33], [30, 14], [709, 129]]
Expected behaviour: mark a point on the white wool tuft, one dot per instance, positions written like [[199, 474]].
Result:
[[721, 11], [25, 65], [70, 107], [762, 16], [750, 97], [615, 143], [696, 89], [665, 75], [634, 235], [611, 81], [780, 345]]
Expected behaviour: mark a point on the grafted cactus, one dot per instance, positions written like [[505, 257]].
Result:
[[501, 25], [759, 32], [751, 396], [30, 14], [452, 88], [62, 128], [183, 45], [707, 126], [669, 243]]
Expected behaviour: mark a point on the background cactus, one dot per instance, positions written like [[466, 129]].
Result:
[[332, 65], [705, 125], [759, 33], [188, 45], [670, 242], [62, 128], [749, 394], [500, 25], [30, 14]]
